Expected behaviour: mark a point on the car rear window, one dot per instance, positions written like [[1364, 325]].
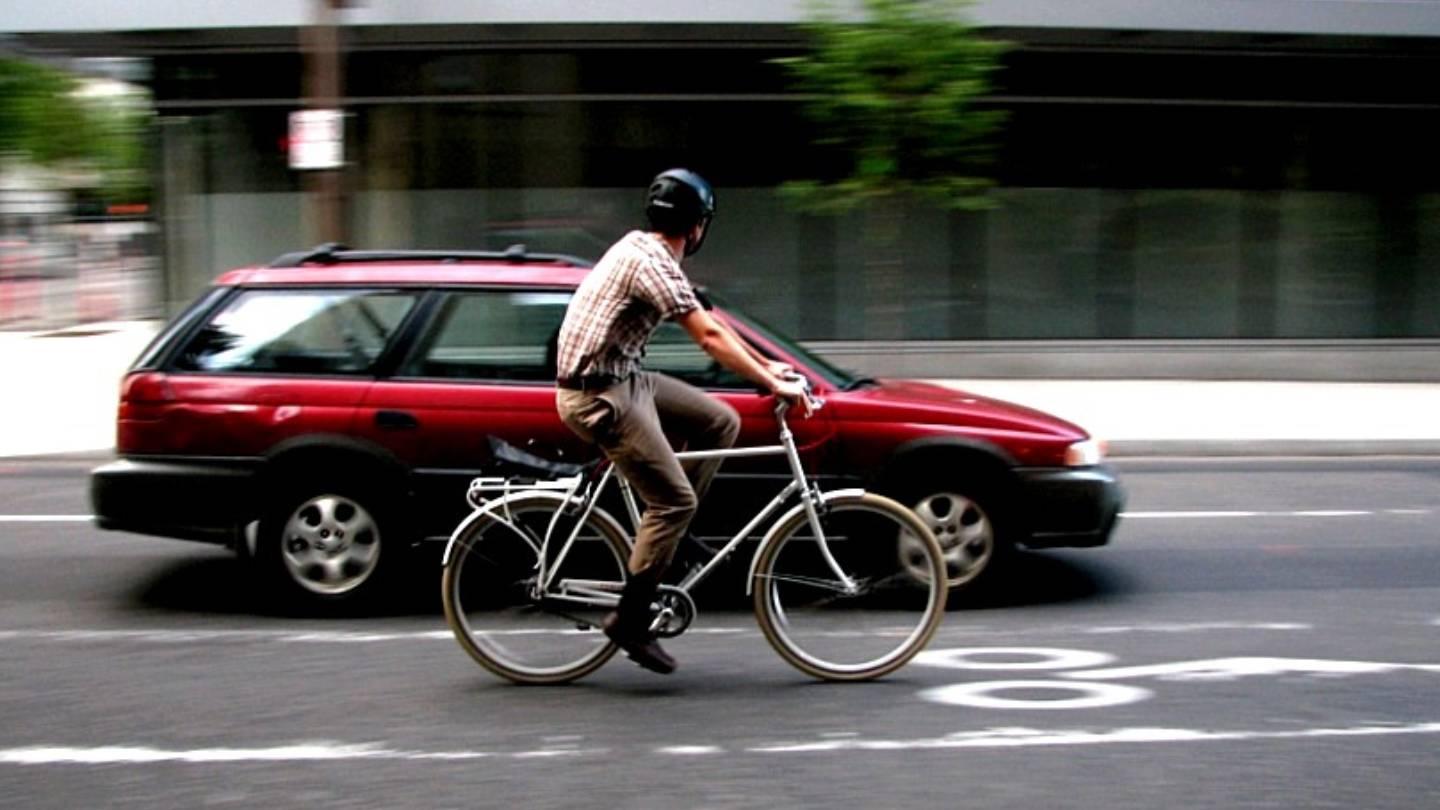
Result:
[[297, 332], [494, 335]]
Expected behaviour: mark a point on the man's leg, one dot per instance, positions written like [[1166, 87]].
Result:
[[638, 447], [699, 421]]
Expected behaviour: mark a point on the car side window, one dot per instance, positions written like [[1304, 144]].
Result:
[[297, 332], [494, 335], [673, 352]]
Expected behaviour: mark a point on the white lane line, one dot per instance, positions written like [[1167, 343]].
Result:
[[205, 636], [281, 636], [1184, 515], [1029, 738], [1302, 513], [689, 750], [1229, 669], [300, 752], [989, 738], [172, 636], [1190, 627], [46, 518]]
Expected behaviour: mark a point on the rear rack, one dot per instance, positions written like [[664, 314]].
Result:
[[335, 253]]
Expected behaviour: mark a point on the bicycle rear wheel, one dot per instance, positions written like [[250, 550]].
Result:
[[491, 593], [835, 632]]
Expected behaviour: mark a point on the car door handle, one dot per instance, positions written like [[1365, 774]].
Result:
[[396, 420]]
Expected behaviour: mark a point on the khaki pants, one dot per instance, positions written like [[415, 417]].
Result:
[[626, 421]]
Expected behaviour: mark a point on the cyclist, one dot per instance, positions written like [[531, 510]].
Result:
[[605, 397]]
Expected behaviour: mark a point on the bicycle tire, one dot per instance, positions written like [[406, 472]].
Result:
[[488, 552], [811, 621]]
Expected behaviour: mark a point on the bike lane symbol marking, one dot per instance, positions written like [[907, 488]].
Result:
[[1086, 681], [982, 695]]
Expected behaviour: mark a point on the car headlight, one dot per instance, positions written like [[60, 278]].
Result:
[[1085, 454]]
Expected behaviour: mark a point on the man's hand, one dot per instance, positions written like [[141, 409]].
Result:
[[795, 392], [779, 369]]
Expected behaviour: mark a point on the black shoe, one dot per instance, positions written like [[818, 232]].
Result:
[[636, 641], [629, 625]]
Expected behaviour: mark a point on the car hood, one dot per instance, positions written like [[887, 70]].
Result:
[[928, 403]]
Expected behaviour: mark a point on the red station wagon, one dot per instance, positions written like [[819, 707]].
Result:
[[325, 414]]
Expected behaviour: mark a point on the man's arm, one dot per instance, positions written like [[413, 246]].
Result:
[[775, 367], [731, 352]]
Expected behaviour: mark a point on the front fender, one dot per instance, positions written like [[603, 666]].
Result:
[[784, 520]]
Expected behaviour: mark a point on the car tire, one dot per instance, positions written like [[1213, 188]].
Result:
[[328, 542], [971, 521]]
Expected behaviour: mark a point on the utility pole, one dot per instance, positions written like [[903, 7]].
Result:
[[324, 90]]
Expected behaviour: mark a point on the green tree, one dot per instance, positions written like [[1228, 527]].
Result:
[[41, 117], [45, 118], [896, 99]]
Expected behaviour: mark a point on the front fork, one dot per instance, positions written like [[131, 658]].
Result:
[[811, 499]]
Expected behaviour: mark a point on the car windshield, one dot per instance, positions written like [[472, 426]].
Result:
[[837, 377]]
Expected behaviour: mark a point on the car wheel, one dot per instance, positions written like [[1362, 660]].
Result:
[[965, 523], [327, 543]]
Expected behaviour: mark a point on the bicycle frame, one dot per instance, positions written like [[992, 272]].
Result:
[[580, 498]]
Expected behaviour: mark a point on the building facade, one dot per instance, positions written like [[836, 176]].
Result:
[[1224, 180]]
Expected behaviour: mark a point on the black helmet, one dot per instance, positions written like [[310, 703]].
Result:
[[677, 201]]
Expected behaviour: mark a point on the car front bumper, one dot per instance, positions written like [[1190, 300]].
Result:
[[1066, 507], [208, 501]]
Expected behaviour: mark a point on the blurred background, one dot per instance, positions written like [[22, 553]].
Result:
[[1180, 187]]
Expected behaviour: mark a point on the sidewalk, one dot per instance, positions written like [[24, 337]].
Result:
[[61, 390], [62, 387]]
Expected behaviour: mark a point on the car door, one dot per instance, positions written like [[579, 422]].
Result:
[[482, 368]]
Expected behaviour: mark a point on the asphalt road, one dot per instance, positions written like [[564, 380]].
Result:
[[1260, 634]]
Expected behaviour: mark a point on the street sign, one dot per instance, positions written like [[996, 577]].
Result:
[[317, 139]]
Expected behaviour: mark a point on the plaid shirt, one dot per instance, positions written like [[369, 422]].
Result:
[[636, 285]]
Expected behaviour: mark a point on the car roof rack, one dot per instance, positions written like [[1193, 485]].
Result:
[[335, 253]]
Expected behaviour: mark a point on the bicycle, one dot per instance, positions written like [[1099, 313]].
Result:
[[529, 574]]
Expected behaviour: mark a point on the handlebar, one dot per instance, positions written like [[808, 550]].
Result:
[[782, 405]]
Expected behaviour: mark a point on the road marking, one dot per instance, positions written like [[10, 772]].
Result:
[[1304, 513], [1086, 684], [46, 518], [1029, 738], [689, 750], [138, 755], [201, 636], [981, 695], [1045, 658], [174, 636], [1191, 627], [1229, 669], [40, 755], [1182, 515], [286, 636]]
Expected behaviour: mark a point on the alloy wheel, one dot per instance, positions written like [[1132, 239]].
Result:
[[964, 530]]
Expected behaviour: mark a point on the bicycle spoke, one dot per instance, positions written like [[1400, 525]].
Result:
[[828, 630], [814, 582], [490, 595]]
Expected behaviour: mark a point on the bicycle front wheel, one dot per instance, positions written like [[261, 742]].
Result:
[[864, 628], [511, 623]]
